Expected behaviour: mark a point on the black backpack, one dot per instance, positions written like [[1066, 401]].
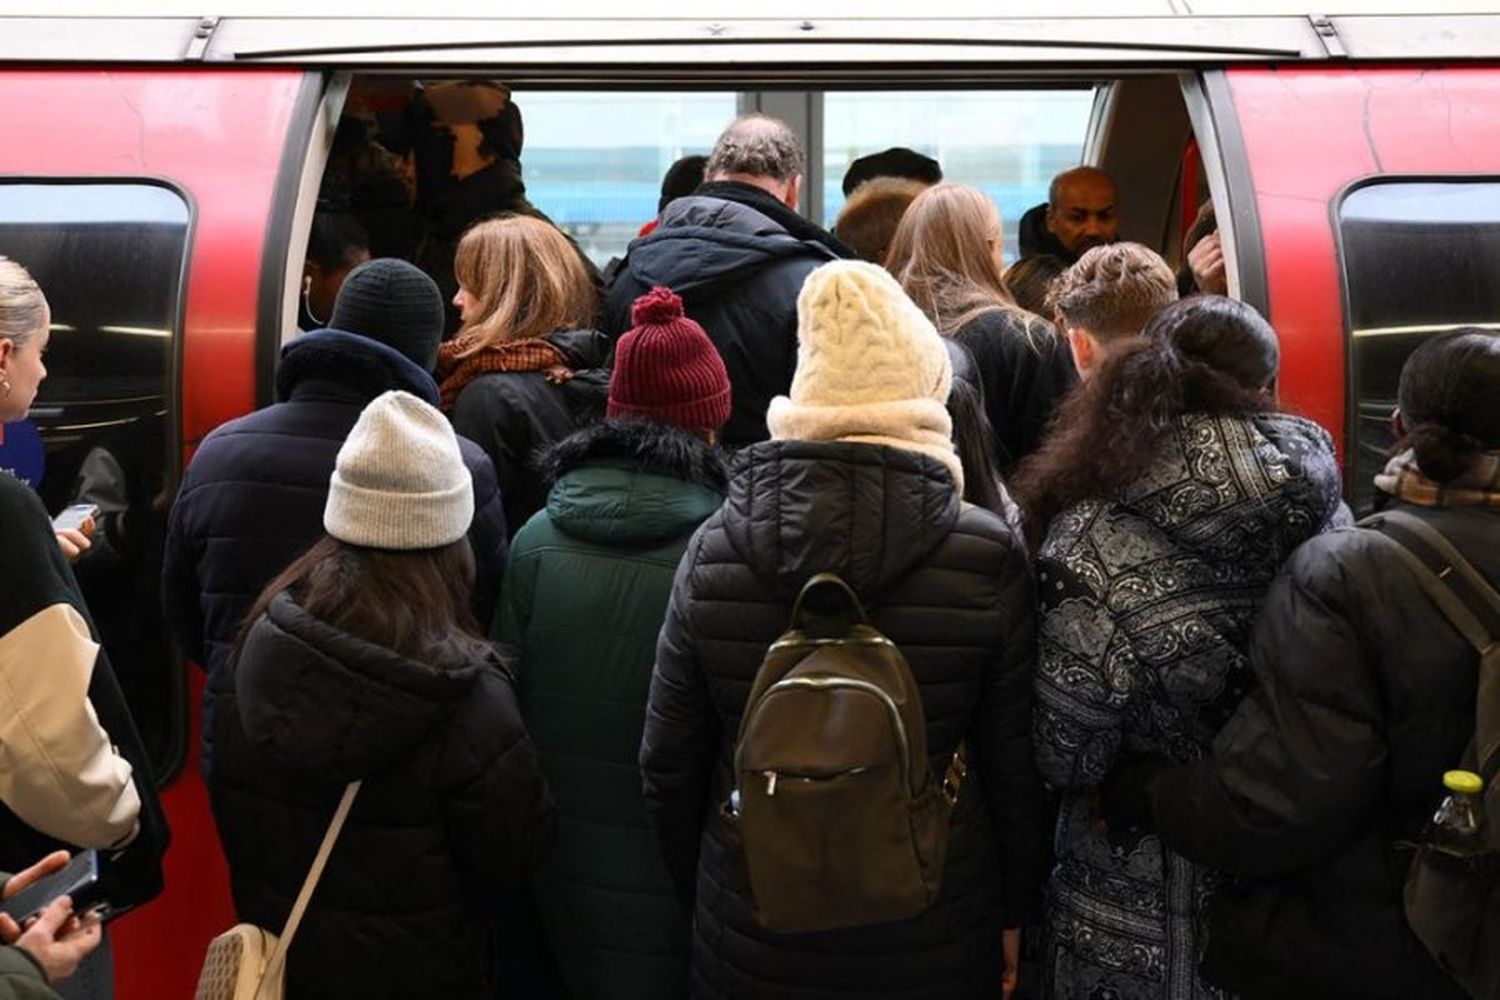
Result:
[[1453, 903]]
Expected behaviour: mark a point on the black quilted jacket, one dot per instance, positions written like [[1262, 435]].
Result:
[[252, 499], [1365, 696], [952, 588], [453, 810]]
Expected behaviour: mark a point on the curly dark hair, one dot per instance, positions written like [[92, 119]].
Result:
[[1110, 429]]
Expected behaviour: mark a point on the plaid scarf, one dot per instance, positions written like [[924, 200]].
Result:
[[1479, 487], [457, 369]]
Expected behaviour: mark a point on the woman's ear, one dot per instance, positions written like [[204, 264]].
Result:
[[7, 348], [1398, 424]]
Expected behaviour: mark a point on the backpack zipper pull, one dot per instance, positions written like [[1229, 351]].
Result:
[[770, 782]]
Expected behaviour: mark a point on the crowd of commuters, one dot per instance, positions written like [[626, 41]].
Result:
[[508, 575]]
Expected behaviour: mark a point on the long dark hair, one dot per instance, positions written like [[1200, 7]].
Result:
[[415, 603], [1108, 431], [1450, 401]]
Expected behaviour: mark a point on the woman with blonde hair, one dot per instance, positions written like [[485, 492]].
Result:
[[526, 368], [946, 255]]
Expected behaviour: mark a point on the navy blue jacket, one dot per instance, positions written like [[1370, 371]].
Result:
[[738, 258], [252, 500]]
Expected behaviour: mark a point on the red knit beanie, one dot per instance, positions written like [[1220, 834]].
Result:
[[666, 368]]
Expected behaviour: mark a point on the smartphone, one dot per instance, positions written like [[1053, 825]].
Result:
[[75, 516], [80, 880]]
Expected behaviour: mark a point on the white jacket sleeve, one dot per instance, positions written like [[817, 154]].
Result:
[[58, 772]]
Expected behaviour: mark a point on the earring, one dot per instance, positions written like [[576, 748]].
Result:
[[5, 385]]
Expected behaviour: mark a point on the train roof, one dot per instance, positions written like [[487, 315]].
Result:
[[816, 43]]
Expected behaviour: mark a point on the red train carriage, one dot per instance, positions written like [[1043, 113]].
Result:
[[159, 177]]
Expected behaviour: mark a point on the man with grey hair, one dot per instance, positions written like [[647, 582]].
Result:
[[736, 251]]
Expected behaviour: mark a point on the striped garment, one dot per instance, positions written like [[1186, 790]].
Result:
[[1478, 487]]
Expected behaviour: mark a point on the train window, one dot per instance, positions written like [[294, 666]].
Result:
[[593, 162], [1007, 143], [110, 257], [1419, 257]]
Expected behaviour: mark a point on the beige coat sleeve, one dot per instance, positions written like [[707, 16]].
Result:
[[58, 771]]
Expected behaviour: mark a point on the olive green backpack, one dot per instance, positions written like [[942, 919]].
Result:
[[836, 810]]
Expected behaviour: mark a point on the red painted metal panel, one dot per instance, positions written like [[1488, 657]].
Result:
[[1308, 133], [218, 135]]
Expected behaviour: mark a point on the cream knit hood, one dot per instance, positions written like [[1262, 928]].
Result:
[[870, 368]]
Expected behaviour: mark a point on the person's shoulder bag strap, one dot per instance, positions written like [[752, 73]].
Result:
[[278, 956], [1467, 600]]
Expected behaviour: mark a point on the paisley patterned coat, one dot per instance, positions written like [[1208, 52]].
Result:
[[1148, 598]]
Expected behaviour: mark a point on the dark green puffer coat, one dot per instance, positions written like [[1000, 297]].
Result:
[[584, 596]]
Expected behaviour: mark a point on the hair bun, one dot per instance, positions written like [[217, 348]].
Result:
[[1442, 453], [658, 306]]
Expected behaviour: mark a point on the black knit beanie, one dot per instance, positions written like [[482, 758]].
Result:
[[395, 303]]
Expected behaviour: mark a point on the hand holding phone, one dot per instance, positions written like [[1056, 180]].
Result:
[[78, 879]]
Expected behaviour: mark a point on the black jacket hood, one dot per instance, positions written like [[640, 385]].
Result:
[[705, 241], [318, 699], [867, 512], [1033, 238], [362, 366]]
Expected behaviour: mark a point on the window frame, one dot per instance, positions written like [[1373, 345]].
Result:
[[179, 710], [1335, 217]]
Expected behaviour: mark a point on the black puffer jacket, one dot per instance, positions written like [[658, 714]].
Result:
[[738, 258], [1365, 697], [252, 499], [453, 809], [952, 588], [1026, 369], [515, 416]]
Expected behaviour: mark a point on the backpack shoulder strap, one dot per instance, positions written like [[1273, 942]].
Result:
[[294, 919], [1468, 601], [1464, 596]]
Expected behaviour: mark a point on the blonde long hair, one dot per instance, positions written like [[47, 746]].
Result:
[[23, 308], [946, 255], [526, 281]]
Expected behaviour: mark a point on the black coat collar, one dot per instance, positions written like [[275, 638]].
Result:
[[768, 205]]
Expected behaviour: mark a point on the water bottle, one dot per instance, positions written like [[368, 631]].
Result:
[[1458, 825]]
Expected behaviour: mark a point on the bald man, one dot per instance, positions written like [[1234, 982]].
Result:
[[1080, 214]]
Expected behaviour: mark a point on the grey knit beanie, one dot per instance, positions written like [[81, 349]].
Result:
[[399, 481], [395, 303]]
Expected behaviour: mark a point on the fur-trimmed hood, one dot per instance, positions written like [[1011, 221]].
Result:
[[361, 365], [632, 482], [659, 447]]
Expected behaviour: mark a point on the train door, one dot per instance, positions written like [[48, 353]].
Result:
[[1376, 198], [145, 204]]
